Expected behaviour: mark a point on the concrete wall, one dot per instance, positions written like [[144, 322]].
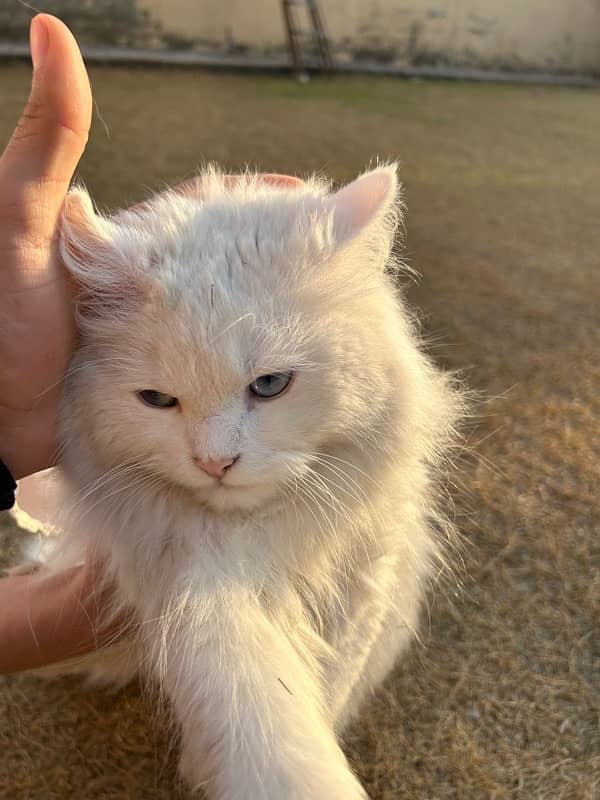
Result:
[[558, 35]]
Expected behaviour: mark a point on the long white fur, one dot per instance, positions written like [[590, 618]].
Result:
[[268, 607]]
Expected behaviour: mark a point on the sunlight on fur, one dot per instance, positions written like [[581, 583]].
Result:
[[251, 442]]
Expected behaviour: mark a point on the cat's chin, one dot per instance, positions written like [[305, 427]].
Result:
[[224, 497]]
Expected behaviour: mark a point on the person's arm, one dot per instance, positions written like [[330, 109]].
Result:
[[45, 619]]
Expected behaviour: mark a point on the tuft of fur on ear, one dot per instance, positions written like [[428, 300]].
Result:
[[87, 242], [368, 208], [90, 250]]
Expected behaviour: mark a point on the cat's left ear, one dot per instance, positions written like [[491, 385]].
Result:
[[368, 208]]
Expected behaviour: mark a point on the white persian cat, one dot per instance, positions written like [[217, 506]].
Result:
[[251, 438]]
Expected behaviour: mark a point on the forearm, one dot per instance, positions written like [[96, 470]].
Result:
[[46, 619]]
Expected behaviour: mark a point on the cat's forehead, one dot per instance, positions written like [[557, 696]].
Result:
[[231, 279], [231, 301], [230, 238]]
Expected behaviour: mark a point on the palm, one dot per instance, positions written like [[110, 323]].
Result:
[[35, 347]]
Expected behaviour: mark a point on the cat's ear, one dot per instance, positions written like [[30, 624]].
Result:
[[100, 259], [87, 245], [369, 207]]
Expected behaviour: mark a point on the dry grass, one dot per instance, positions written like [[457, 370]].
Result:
[[503, 192]]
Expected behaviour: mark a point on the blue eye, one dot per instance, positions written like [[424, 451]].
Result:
[[268, 386], [156, 399]]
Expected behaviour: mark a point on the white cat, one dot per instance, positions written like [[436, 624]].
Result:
[[251, 436]]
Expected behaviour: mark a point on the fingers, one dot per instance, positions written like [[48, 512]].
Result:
[[41, 157], [271, 178], [52, 616], [194, 187], [284, 181]]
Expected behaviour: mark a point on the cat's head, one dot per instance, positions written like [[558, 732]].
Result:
[[233, 331]]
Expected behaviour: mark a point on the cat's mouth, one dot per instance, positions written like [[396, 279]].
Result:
[[223, 495], [225, 486]]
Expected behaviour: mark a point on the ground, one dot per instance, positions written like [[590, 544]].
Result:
[[502, 699]]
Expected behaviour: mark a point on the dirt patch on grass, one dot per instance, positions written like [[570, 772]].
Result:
[[503, 193]]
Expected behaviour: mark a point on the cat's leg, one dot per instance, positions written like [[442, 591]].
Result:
[[380, 620], [248, 699]]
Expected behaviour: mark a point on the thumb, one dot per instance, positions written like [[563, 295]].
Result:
[[40, 159]]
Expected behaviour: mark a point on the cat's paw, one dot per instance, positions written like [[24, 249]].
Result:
[[314, 783]]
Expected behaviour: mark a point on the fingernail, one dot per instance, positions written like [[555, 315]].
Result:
[[38, 40]]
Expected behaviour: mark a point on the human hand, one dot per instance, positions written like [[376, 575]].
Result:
[[47, 617], [36, 309], [44, 618]]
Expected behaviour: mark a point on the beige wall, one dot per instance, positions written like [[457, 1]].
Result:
[[541, 34]]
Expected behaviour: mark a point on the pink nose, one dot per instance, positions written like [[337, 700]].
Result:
[[216, 468]]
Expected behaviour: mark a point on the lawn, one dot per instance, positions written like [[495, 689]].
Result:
[[502, 699]]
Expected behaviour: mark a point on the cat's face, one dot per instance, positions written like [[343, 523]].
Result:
[[230, 337]]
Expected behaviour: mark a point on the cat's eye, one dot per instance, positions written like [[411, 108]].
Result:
[[272, 385], [156, 399]]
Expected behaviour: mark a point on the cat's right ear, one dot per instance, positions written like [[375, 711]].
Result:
[[92, 248], [87, 243]]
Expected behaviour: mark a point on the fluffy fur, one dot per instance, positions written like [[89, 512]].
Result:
[[269, 603]]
